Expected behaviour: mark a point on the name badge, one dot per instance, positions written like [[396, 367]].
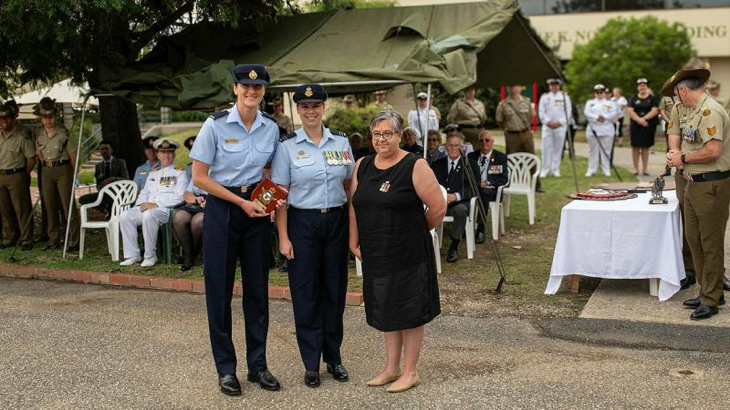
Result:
[[231, 140], [524, 109], [143, 173]]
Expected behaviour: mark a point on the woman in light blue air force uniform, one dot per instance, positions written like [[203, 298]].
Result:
[[315, 164], [230, 155]]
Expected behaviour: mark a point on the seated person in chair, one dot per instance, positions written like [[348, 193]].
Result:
[[163, 190], [451, 174], [188, 220], [110, 169], [493, 171]]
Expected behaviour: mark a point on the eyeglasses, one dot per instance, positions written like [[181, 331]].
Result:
[[485, 140], [387, 135], [453, 145]]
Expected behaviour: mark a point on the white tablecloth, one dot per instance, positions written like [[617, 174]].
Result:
[[620, 240]]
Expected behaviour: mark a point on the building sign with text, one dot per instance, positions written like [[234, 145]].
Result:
[[709, 29]]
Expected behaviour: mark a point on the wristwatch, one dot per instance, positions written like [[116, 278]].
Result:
[[684, 158]]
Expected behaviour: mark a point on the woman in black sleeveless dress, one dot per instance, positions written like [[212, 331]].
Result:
[[389, 232], [643, 109]]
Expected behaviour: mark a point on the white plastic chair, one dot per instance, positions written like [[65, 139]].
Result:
[[522, 181], [496, 213], [469, 228], [123, 195]]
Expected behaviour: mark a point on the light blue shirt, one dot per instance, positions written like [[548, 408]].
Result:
[[303, 166], [191, 187], [236, 155], [143, 171]]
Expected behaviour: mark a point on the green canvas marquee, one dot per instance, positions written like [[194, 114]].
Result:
[[488, 44]]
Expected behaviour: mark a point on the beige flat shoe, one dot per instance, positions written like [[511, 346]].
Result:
[[381, 381], [398, 388]]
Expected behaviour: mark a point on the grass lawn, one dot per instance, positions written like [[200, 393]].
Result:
[[467, 287]]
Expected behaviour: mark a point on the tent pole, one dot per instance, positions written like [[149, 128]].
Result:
[[428, 115], [71, 201], [291, 109]]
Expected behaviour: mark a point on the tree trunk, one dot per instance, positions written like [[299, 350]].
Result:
[[120, 126]]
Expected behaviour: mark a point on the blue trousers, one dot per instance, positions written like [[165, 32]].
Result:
[[318, 282], [231, 236]]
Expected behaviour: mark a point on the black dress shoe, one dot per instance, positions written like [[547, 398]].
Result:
[[703, 312], [265, 379], [229, 385], [726, 284], [687, 282], [311, 378], [72, 249], [696, 302], [50, 247], [540, 190], [338, 372], [481, 237], [184, 267], [452, 256], [26, 247]]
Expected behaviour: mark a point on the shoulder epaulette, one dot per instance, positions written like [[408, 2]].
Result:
[[287, 137], [269, 116], [219, 114], [338, 133]]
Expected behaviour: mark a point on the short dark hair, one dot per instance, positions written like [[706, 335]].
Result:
[[105, 143], [692, 83]]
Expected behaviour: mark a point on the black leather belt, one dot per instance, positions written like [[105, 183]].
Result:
[[51, 164], [709, 176], [243, 190], [11, 171], [319, 210], [470, 126], [516, 132]]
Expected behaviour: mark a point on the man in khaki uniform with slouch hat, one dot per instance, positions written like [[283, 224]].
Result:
[[57, 153], [514, 116], [704, 157], [17, 158], [470, 114]]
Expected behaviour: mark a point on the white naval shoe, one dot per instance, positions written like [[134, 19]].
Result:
[[130, 261], [556, 174], [543, 174], [589, 174], [149, 262]]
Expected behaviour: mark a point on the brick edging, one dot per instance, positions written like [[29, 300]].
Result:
[[141, 282]]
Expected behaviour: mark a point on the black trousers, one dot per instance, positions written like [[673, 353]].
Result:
[[460, 212], [230, 236], [318, 282]]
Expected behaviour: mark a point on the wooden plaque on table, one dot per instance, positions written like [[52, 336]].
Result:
[[267, 193]]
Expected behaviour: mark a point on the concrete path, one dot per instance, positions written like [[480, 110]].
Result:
[[87, 346]]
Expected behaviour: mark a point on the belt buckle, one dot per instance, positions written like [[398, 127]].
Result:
[[49, 164], [244, 189], [323, 210]]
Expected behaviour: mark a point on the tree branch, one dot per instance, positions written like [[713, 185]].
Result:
[[145, 37]]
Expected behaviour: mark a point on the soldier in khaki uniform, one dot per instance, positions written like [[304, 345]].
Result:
[[57, 154], [514, 116], [282, 120], [669, 108], [704, 157], [17, 158], [470, 114], [381, 102]]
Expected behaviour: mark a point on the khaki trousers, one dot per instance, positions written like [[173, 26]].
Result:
[[56, 191], [706, 212], [471, 135], [689, 267], [15, 209]]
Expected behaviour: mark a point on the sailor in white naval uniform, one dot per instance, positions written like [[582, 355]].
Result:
[[163, 190], [555, 119]]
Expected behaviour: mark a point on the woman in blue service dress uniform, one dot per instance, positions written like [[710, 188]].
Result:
[[315, 164], [230, 156]]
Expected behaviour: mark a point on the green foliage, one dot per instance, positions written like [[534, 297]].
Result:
[[624, 50], [189, 116], [48, 40], [352, 120], [327, 5]]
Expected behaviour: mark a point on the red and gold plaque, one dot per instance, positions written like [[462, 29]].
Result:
[[267, 193]]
